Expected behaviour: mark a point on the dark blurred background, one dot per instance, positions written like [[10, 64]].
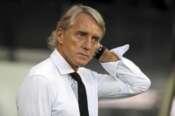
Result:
[[147, 25]]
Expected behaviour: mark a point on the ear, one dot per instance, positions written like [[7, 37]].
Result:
[[60, 35]]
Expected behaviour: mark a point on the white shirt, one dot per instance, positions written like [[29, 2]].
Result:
[[48, 90]]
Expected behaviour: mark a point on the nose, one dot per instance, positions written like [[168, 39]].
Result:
[[88, 43]]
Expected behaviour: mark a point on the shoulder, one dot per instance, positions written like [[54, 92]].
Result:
[[44, 69]]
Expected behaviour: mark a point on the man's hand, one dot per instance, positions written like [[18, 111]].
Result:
[[108, 56]]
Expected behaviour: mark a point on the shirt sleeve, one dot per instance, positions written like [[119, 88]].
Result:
[[125, 78], [34, 97]]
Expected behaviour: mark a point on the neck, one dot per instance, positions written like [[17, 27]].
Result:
[[74, 67]]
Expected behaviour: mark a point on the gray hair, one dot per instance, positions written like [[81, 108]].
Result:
[[68, 18]]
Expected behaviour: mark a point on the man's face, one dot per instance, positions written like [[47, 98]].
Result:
[[79, 42]]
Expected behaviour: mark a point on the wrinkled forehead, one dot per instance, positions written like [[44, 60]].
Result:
[[87, 22], [78, 14]]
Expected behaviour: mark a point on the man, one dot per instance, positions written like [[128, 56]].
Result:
[[60, 86]]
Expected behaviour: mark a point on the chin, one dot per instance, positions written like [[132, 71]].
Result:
[[83, 63]]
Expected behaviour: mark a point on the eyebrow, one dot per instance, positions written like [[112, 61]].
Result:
[[82, 32]]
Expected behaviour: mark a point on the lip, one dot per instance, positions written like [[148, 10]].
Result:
[[85, 55]]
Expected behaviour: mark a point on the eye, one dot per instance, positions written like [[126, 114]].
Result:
[[81, 33], [96, 39]]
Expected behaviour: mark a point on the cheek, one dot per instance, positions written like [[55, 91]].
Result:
[[69, 42], [93, 51]]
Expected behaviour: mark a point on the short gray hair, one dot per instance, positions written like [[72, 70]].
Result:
[[68, 18]]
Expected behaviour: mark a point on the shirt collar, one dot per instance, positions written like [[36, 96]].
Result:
[[61, 64]]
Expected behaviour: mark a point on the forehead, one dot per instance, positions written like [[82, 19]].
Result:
[[85, 22]]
